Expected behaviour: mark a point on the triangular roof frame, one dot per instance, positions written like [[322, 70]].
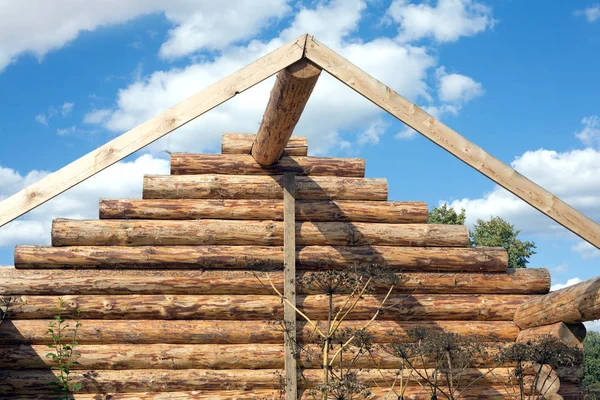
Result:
[[306, 46]]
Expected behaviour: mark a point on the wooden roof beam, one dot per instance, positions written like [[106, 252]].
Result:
[[571, 305], [289, 96], [452, 141]]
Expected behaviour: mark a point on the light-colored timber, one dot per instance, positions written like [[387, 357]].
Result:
[[217, 282], [136, 380], [288, 98], [452, 141], [428, 259], [262, 187], [392, 212], [258, 307], [149, 131], [241, 143], [67, 232], [240, 164], [560, 331], [289, 286], [238, 332], [571, 305]]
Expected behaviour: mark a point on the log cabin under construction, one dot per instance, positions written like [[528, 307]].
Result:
[[171, 288]]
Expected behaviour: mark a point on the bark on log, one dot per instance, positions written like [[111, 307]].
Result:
[[241, 143], [36, 381], [558, 330], [288, 98], [194, 356], [573, 391], [262, 187], [434, 259], [240, 332], [572, 305], [61, 282], [256, 307], [306, 210], [67, 232], [240, 164]]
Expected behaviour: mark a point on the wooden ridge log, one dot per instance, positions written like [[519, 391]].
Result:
[[60, 282], [198, 356], [240, 164], [67, 232], [262, 187], [136, 380], [240, 332], [559, 330], [393, 212], [288, 98], [571, 305], [241, 143], [260, 307], [432, 259]]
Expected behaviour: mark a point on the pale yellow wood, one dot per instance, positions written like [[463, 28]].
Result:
[[451, 141], [149, 131], [289, 285]]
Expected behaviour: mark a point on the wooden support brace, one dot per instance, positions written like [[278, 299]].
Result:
[[289, 284], [289, 96]]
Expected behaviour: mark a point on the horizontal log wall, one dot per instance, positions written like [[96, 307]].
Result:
[[238, 164], [432, 259], [14, 331], [259, 307], [262, 187], [392, 212], [241, 143], [266, 233], [60, 282]]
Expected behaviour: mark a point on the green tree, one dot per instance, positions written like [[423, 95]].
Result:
[[591, 363], [497, 232], [446, 215]]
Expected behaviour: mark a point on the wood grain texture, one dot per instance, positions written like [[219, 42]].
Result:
[[241, 143], [259, 307], [559, 331], [261, 187], [220, 282], [288, 98], [261, 233], [101, 331], [406, 259], [572, 305], [240, 164], [36, 381], [452, 141], [149, 131], [393, 212]]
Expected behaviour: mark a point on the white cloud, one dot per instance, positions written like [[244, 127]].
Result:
[[586, 250], [67, 108], [593, 325], [591, 13], [332, 111], [570, 282], [49, 25], [97, 116], [447, 21], [123, 179], [64, 131], [373, 133], [456, 88], [41, 118], [590, 134], [572, 176]]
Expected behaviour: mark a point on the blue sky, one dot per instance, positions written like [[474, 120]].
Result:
[[518, 78]]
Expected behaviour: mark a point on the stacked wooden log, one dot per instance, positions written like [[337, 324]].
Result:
[[172, 290]]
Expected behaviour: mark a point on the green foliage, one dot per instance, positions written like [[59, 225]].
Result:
[[446, 215], [498, 232], [591, 364], [64, 341]]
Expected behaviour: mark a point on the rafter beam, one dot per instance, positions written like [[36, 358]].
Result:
[[452, 141], [289, 96], [146, 133]]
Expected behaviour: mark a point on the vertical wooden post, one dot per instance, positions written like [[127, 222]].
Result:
[[289, 285]]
